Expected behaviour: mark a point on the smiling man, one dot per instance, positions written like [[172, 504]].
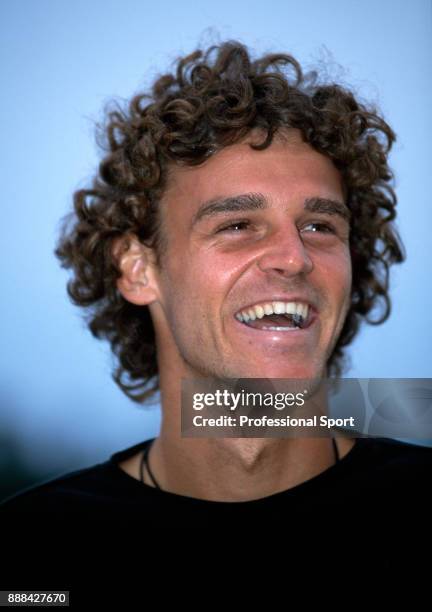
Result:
[[238, 228]]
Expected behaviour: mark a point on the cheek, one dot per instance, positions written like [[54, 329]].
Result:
[[334, 274], [210, 274], [345, 283], [189, 289], [346, 272]]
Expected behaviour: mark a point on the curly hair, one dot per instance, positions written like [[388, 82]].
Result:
[[213, 99]]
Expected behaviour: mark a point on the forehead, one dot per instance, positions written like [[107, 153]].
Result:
[[288, 167]]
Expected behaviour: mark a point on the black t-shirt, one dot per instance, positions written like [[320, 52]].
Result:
[[378, 477], [368, 515]]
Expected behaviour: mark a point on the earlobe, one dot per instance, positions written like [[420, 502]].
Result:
[[134, 261]]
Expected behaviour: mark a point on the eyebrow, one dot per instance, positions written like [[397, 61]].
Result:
[[328, 206], [238, 203], [257, 201]]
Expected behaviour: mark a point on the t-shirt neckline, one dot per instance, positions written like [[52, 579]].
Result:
[[322, 479]]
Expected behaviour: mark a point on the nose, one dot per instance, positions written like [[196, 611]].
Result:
[[285, 254]]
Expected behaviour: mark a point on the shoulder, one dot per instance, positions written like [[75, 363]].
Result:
[[63, 493], [400, 454], [95, 488], [392, 470]]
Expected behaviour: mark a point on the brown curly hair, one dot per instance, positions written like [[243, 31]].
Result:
[[214, 99]]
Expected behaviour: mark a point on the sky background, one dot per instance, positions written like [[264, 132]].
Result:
[[60, 63]]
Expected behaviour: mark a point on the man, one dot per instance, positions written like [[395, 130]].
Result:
[[235, 190]]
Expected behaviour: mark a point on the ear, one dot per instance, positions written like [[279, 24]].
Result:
[[136, 261]]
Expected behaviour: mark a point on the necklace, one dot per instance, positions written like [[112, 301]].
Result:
[[145, 462]]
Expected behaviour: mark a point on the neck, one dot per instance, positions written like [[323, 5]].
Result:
[[232, 469], [238, 469]]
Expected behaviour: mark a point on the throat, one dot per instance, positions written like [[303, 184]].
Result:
[[245, 454]]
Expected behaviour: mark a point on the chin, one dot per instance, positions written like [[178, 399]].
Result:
[[300, 371]]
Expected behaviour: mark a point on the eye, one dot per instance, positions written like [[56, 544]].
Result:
[[235, 227], [321, 228]]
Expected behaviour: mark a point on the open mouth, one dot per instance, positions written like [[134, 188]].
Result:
[[277, 316]]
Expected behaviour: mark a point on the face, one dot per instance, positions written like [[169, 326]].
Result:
[[245, 230]]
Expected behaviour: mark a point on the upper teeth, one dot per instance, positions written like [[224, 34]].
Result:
[[269, 308]]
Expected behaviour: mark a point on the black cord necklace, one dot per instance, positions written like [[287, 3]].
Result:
[[145, 463], [336, 451]]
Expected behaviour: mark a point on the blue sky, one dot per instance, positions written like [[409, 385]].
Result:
[[60, 63]]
